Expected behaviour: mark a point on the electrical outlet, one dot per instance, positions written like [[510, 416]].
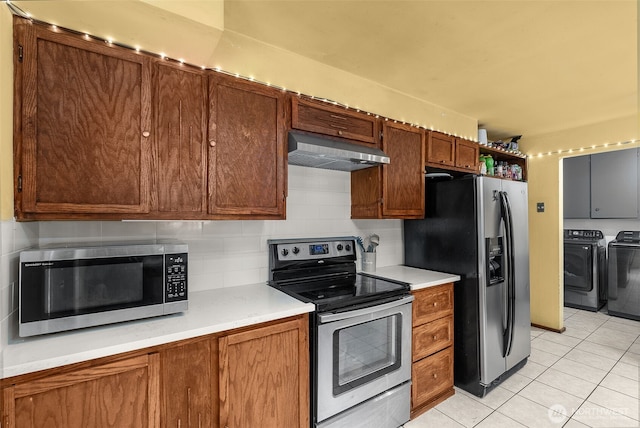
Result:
[[540, 206]]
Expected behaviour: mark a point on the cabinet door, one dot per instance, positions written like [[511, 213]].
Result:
[[576, 187], [264, 377], [187, 385], [246, 149], [124, 394], [614, 184], [336, 121], [403, 178], [441, 149], [84, 125], [181, 127], [467, 154]]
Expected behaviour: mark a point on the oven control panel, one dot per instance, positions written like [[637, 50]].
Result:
[[314, 250]]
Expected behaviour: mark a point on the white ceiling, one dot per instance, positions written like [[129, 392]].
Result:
[[518, 66]]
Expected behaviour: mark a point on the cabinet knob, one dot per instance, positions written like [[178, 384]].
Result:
[[435, 304], [435, 337], [435, 375], [146, 134], [339, 132], [212, 143]]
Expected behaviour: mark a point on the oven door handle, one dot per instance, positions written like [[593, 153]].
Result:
[[338, 316]]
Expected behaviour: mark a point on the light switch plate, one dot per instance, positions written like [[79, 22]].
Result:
[[540, 206]]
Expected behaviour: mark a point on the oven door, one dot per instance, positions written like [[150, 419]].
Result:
[[361, 354]]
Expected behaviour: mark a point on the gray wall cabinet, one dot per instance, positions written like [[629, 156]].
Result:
[[604, 185], [577, 187]]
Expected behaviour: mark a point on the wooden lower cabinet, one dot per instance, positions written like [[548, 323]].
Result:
[[257, 376], [188, 384], [432, 347], [264, 377], [122, 394]]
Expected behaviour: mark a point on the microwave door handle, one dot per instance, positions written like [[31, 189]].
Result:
[[338, 316]]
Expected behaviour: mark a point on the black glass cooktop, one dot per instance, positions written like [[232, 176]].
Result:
[[344, 291]]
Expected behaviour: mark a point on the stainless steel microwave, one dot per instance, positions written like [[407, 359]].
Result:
[[69, 288]]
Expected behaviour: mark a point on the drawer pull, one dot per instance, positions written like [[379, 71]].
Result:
[[435, 337], [335, 116], [212, 143], [435, 304], [435, 375]]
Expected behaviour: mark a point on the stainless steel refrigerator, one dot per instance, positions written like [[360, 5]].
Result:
[[477, 227]]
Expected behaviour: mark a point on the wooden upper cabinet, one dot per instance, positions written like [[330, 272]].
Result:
[[467, 154], [246, 160], [452, 153], [327, 119], [123, 394], [81, 126], [180, 138], [441, 149], [403, 178], [395, 190]]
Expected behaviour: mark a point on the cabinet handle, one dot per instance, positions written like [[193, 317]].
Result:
[[442, 161], [435, 375], [189, 407], [435, 337], [435, 304], [199, 420], [212, 143], [179, 423], [146, 134]]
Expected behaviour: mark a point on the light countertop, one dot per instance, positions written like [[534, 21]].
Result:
[[209, 312], [418, 278]]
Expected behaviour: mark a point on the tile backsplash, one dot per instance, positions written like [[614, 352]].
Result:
[[221, 253]]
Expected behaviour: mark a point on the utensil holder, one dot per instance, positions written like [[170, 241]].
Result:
[[368, 262]]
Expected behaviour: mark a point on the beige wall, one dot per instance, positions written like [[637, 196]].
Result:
[[545, 185]]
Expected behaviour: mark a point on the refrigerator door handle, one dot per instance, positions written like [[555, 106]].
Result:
[[510, 277]]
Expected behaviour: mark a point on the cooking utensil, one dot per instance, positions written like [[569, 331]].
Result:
[[360, 243], [374, 241]]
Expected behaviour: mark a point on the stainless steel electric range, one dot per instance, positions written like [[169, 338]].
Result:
[[360, 347]]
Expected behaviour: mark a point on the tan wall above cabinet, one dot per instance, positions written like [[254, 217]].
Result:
[[103, 132]]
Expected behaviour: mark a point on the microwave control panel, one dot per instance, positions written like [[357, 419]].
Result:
[[176, 277]]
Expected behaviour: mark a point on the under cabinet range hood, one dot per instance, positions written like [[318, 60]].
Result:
[[317, 152]]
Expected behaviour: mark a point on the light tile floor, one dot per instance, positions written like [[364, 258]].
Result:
[[584, 377]]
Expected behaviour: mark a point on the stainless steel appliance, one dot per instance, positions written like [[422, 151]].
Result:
[[624, 275], [585, 269], [477, 227], [360, 334], [68, 288]]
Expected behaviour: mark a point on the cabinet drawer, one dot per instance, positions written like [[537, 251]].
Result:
[[432, 303], [431, 377], [335, 121], [432, 337]]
